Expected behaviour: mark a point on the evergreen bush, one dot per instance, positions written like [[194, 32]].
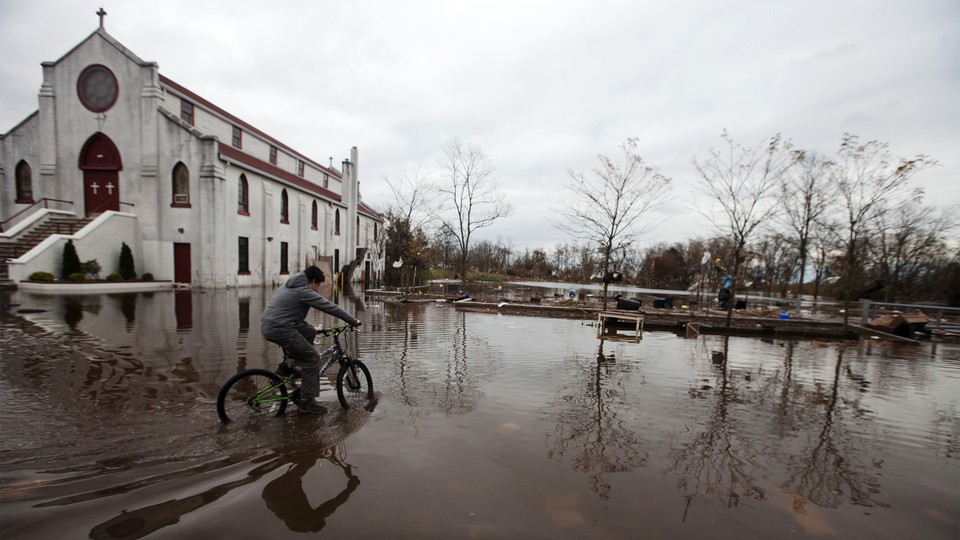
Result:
[[71, 261], [114, 276], [77, 276], [147, 276], [127, 269], [41, 276]]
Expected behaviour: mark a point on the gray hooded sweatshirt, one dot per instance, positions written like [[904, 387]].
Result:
[[290, 305]]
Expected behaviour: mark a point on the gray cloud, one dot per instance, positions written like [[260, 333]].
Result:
[[541, 87]]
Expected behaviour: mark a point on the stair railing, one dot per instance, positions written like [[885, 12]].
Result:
[[44, 202]]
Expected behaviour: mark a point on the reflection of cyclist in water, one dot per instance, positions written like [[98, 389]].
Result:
[[284, 495], [286, 498]]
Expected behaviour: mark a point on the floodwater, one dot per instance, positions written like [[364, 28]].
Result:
[[487, 426]]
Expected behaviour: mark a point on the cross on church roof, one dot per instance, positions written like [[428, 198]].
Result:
[[101, 13]]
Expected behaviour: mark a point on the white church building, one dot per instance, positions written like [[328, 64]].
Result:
[[119, 154]]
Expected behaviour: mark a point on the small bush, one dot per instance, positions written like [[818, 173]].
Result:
[[115, 276], [91, 268], [41, 276], [77, 276], [147, 276]]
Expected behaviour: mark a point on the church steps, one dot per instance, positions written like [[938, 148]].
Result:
[[12, 248]]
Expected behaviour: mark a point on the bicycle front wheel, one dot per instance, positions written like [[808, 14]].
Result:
[[354, 385], [252, 393]]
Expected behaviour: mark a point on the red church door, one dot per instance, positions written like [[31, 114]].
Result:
[[181, 263], [101, 191], [101, 165]]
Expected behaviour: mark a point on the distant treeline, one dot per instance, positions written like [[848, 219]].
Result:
[[931, 274]]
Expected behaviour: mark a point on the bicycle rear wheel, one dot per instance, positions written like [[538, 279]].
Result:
[[354, 385], [252, 393]]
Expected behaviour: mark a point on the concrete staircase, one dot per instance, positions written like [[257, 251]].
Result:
[[11, 248], [348, 269]]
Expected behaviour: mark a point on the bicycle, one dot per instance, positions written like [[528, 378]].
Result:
[[256, 392]]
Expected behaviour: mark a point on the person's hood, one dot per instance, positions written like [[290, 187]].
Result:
[[296, 281]]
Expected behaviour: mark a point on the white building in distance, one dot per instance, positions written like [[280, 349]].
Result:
[[198, 195]]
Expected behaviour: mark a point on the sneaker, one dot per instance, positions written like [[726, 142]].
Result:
[[311, 407], [284, 370]]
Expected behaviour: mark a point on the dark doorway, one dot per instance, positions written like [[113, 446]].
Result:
[[181, 263]]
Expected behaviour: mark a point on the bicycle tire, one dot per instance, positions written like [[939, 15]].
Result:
[[358, 394], [235, 400]]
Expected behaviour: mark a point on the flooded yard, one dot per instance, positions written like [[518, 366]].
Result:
[[487, 426]]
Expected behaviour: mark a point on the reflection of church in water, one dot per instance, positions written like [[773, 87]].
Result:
[[118, 153]]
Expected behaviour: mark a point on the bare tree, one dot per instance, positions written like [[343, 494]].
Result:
[[807, 195], [869, 182], [413, 197], [743, 185], [909, 242], [775, 263], [471, 198], [404, 238], [608, 208], [823, 242]]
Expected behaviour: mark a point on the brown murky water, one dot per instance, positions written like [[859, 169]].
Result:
[[487, 426]]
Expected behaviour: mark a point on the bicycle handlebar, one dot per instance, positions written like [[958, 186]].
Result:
[[335, 330]]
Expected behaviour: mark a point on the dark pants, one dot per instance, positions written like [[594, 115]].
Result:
[[299, 348]]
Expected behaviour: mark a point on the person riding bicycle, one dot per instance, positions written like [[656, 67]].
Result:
[[284, 323]]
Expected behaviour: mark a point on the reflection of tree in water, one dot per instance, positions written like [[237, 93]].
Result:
[[591, 429], [406, 394], [459, 392], [827, 462], [834, 467], [720, 459], [436, 362]]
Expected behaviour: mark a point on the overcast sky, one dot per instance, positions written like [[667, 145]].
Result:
[[541, 87]]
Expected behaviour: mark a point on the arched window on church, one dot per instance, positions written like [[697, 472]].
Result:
[[375, 233], [336, 223], [313, 216], [243, 196], [181, 185], [24, 183], [358, 230], [284, 207]]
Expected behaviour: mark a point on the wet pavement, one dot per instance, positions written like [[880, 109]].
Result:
[[487, 426]]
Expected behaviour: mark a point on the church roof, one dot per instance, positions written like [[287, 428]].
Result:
[[195, 98], [109, 39]]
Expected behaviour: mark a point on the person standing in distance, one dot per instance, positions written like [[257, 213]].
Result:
[[284, 323]]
